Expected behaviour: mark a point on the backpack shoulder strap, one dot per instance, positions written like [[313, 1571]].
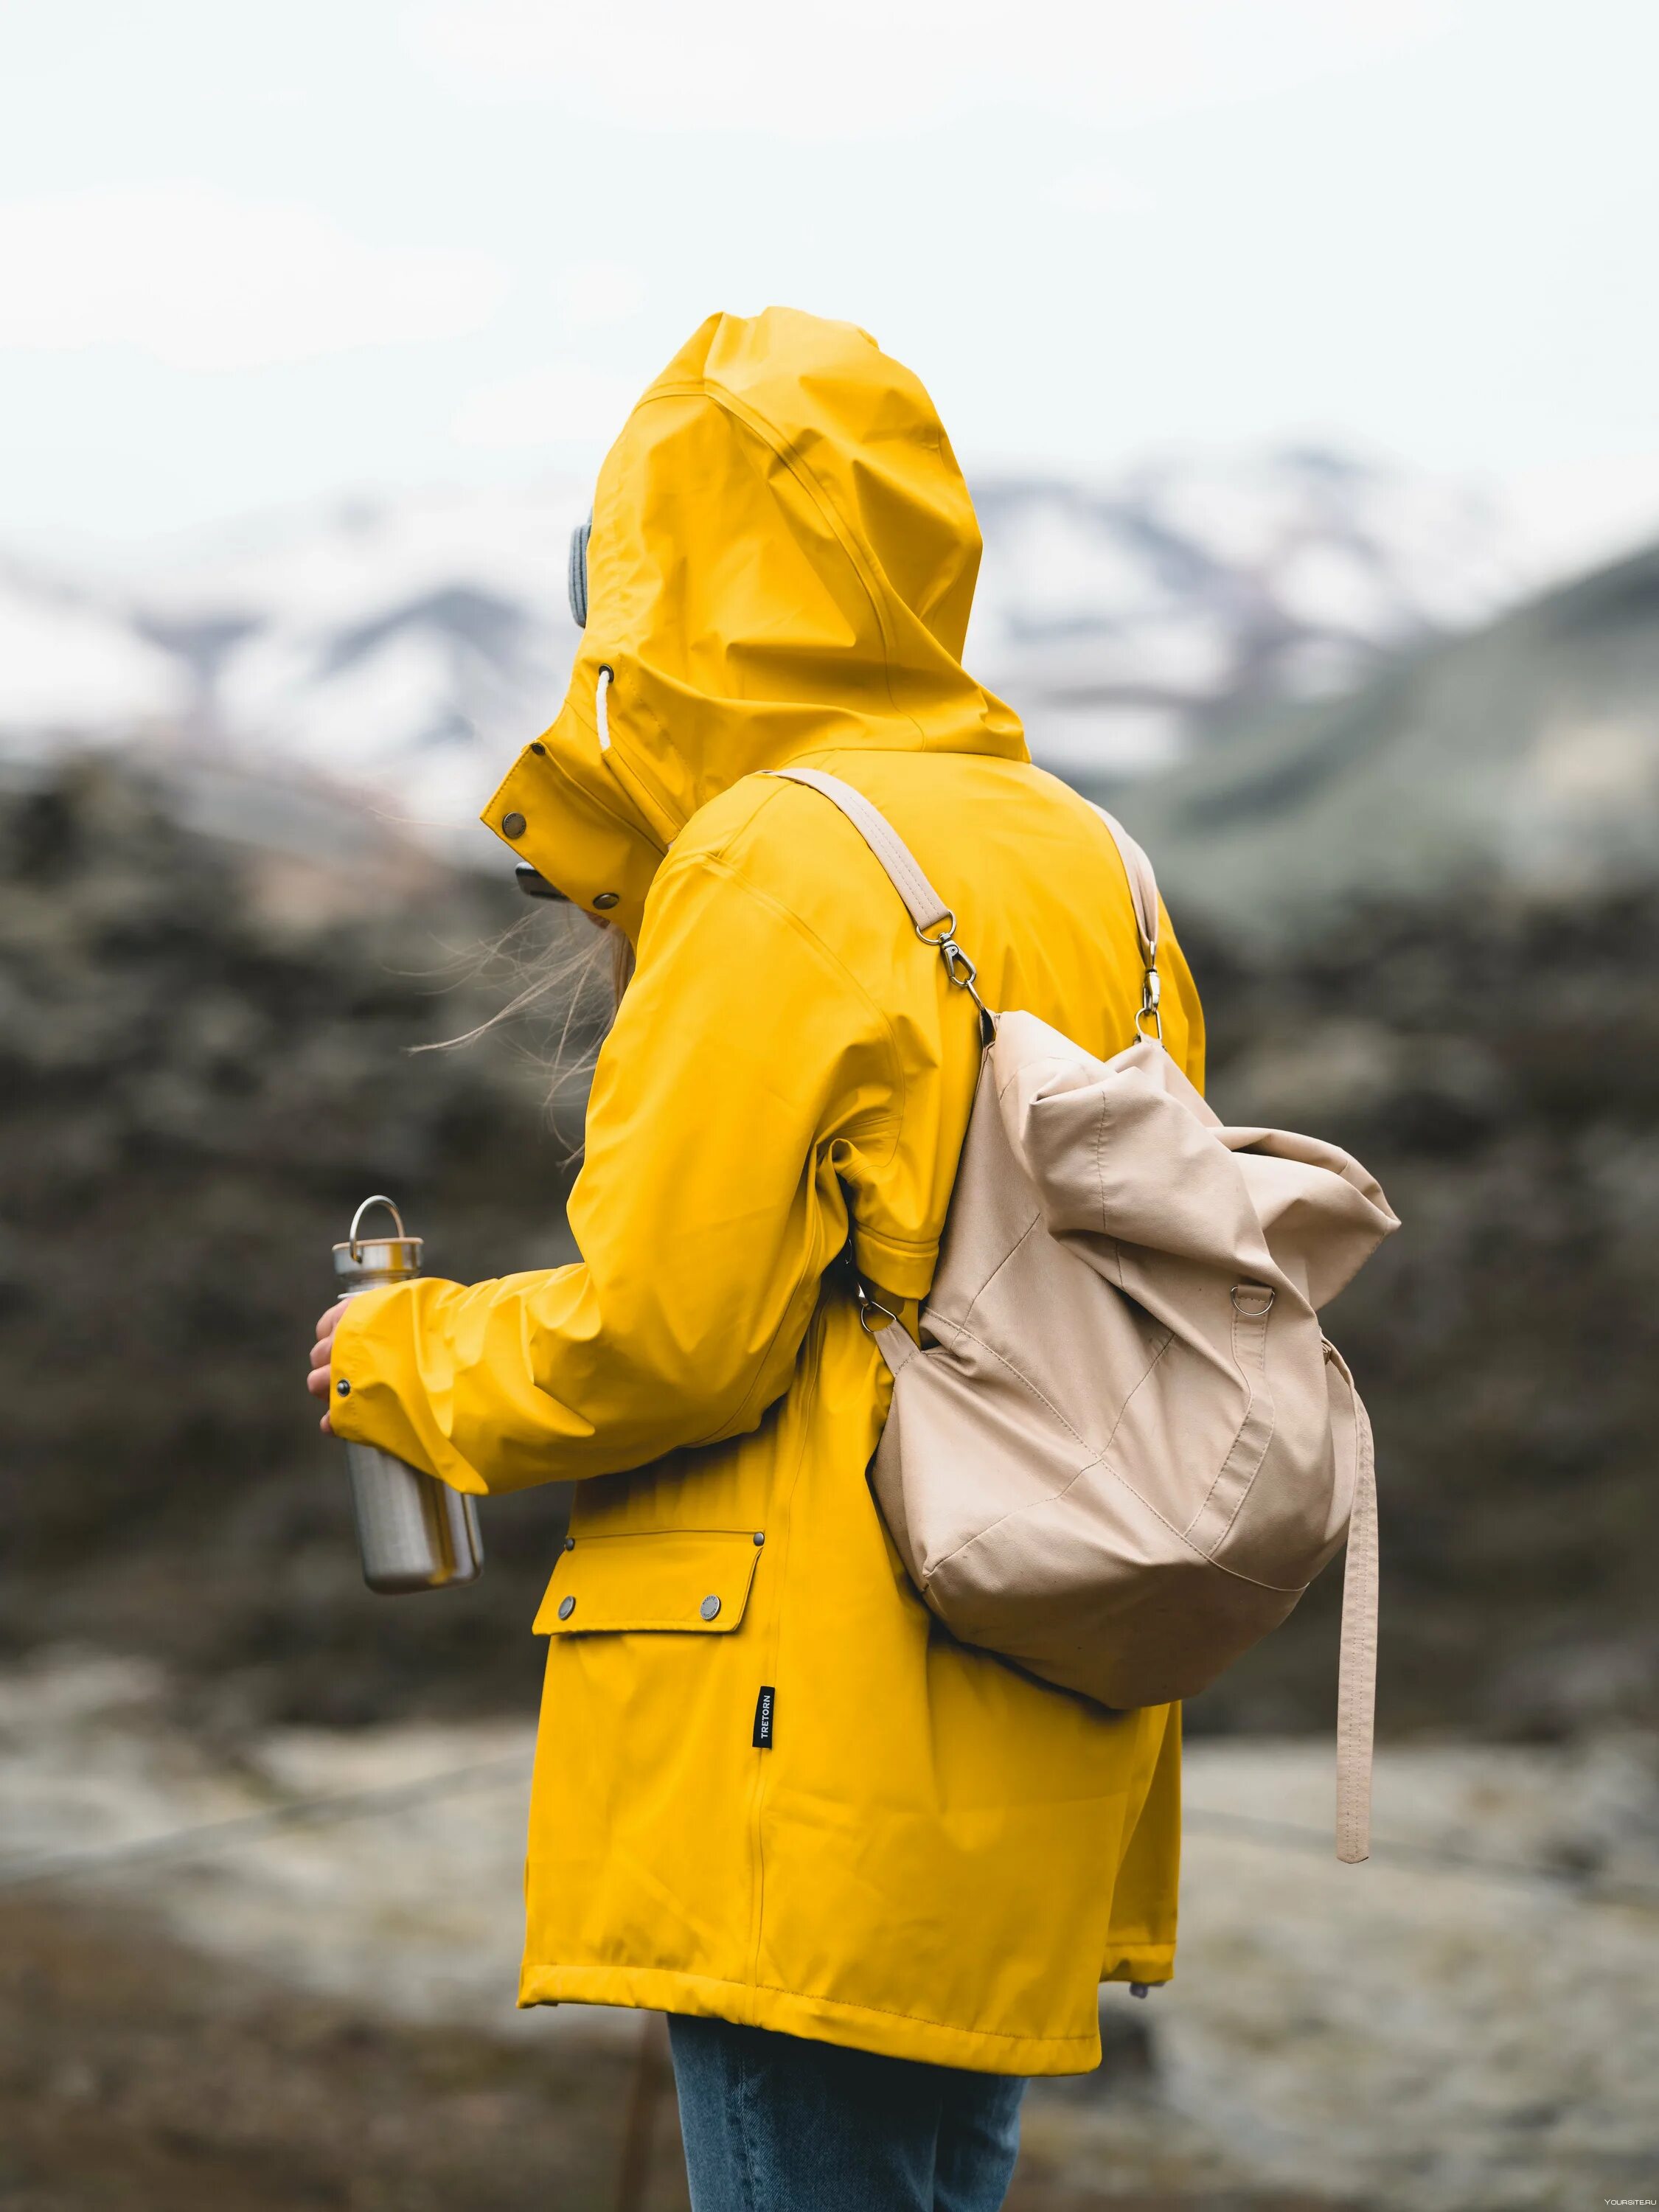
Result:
[[1143, 884], [926, 908], [935, 922], [1143, 898]]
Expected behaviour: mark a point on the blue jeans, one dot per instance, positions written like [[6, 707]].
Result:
[[775, 2124]]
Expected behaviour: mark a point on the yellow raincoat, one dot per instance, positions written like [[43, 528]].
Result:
[[769, 1786]]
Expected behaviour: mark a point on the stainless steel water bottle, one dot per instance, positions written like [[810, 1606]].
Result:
[[414, 1532]]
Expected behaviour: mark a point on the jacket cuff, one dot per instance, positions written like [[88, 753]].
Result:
[[905, 1270], [377, 1392]]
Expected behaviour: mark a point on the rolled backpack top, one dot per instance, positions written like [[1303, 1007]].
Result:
[[1124, 1447]]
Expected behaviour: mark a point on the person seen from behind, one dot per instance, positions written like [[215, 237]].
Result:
[[873, 1876]]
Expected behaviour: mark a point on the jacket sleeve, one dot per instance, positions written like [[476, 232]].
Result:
[[746, 1066]]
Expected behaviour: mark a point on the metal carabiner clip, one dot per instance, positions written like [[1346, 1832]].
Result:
[[1149, 993], [961, 970]]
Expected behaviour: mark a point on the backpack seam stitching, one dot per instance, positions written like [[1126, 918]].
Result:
[[1100, 1460], [1267, 1442], [1097, 1459], [1022, 1239], [1244, 1421], [1099, 1451]]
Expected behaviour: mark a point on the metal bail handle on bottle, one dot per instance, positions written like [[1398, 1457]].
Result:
[[415, 1533]]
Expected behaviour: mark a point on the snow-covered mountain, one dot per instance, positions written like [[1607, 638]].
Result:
[[1127, 620], [406, 647]]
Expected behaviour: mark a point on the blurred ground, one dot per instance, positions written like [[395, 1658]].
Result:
[[135, 2073], [318, 2009]]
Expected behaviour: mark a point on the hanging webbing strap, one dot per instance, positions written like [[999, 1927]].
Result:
[[1355, 1681], [936, 925]]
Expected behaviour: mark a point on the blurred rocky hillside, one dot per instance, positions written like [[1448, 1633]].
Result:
[[1520, 758], [1494, 1060], [200, 1079], [204, 1066]]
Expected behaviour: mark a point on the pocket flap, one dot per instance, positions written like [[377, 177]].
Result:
[[692, 1579]]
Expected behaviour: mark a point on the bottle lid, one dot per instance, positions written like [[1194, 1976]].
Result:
[[377, 1255]]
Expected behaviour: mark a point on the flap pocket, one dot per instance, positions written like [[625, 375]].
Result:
[[696, 1580]]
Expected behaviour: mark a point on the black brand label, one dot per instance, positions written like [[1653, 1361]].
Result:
[[763, 1704]]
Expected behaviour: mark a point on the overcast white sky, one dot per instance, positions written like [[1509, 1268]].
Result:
[[250, 253]]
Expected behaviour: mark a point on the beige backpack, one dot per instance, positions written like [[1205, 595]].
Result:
[[1124, 1448]]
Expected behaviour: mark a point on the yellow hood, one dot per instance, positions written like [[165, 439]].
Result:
[[782, 560]]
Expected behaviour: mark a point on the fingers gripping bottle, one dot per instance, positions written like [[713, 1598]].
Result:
[[414, 1532]]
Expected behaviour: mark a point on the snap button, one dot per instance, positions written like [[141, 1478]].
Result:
[[607, 900], [760, 1535], [566, 1607], [570, 1543], [343, 1388], [709, 1607], [512, 825]]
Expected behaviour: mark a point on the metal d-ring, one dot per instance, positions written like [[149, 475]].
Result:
[[867, 1305], [1255, 1312], [379, 1199]]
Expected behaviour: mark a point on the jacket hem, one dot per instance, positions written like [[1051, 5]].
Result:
[[820, 2020]]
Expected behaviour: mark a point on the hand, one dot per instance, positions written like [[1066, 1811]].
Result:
[[321, 1353]]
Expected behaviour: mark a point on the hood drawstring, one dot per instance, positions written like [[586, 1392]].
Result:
[[600, 716]]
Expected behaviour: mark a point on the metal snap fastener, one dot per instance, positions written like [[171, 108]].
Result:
[[343, 1388], [760, 1536], [607, 900], [537, 746], [570, 1543], [512, 825], [566, 1607], [709, 1607]]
